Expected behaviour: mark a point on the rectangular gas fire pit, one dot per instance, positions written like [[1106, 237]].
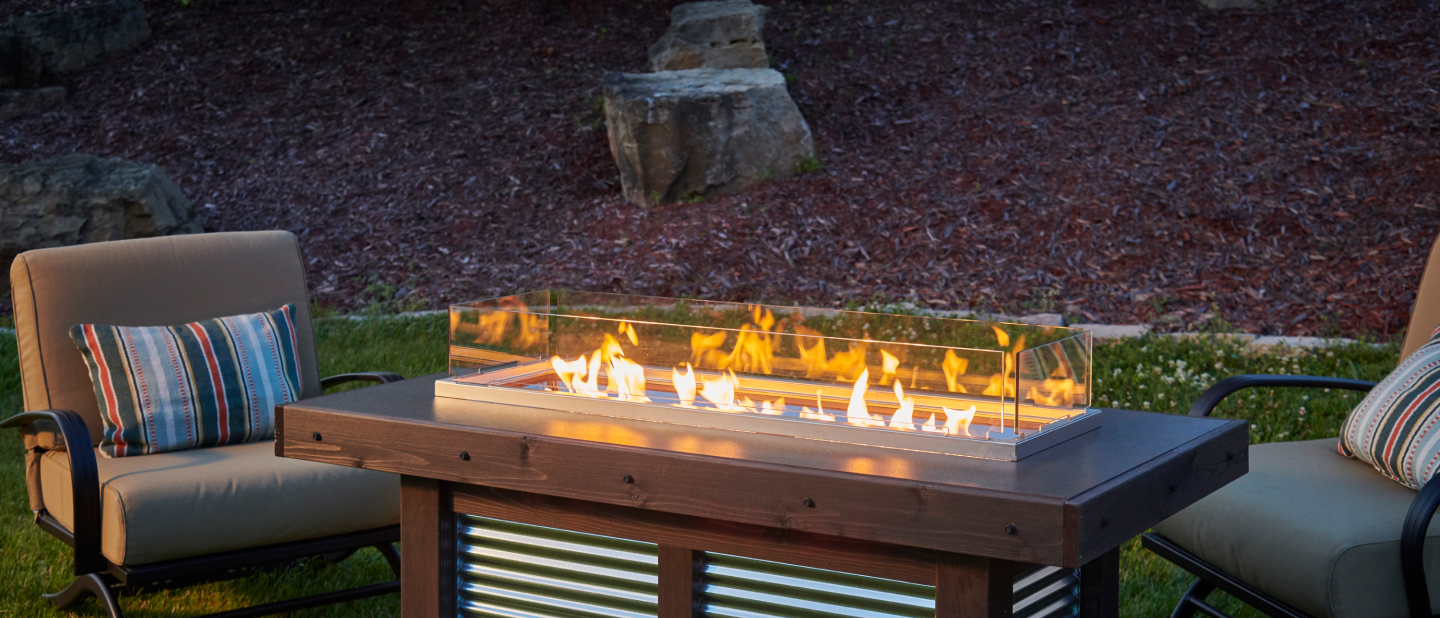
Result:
[[881, 380], [598, 455]]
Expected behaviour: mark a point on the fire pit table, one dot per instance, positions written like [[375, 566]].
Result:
[[602, 455]]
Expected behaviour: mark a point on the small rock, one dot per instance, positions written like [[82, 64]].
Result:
[[693, 134], [17, 103], [1042, 319], [1114, 331], [43, 48], [83, 198], [712, 35]]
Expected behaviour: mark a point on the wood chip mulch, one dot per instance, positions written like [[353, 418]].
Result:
[[1117, 161]]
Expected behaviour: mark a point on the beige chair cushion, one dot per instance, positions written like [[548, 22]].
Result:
[[1311, 528], [190, 503], [146, 282]]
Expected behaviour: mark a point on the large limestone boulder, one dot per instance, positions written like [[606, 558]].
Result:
[[712, 35], [43, 48], [693, 134], [83, 198]]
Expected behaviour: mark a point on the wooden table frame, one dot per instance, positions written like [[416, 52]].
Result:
[[964, 585], [1086, 497]]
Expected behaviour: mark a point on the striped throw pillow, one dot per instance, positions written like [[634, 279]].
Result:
[[1395, 427], [206, 383]]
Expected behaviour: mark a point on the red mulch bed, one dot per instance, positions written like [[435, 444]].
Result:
[[1118, 161]]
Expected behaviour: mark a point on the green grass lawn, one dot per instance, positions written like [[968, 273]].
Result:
[[1152, 373]]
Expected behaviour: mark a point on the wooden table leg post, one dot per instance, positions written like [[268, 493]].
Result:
[[677, 582], [971, 586], [1100, 586], [427, 549]]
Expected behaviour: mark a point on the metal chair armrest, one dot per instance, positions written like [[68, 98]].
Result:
[[377, 377], [1412, 547], [84, 483], [1212, 396]]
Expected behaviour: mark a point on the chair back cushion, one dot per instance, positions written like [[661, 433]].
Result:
[[1425, 315], [176, 388], [145, 282], [1394, 427]]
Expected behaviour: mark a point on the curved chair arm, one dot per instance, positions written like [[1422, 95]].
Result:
[[84, 483], [377, 377], [1212, 396], [1412, 547]]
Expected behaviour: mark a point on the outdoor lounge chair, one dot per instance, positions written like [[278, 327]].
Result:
[[1308, 532], [179, 518]]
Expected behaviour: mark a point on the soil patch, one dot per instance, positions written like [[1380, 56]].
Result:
[[1117, 161]]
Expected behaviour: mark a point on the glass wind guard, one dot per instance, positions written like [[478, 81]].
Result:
[[816, 373]]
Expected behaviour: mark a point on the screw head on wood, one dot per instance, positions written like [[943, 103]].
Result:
[[627, 479], [464, 455], [1011, 529], [315, 435], [809, 503]]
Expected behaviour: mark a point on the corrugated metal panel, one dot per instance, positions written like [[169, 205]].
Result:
[[1047, 592], [510, 570], [735, 587]]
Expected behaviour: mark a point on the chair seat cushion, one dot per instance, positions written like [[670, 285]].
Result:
[[1316, 531], [191, 503]]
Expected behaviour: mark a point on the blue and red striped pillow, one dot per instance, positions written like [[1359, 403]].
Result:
[[1395, 427], [206, 383]]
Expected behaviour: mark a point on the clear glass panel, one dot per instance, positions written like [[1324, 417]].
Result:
[[921, 375], [1053, 380]]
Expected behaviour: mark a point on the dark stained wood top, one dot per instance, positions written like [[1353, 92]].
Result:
[[1068, 504]]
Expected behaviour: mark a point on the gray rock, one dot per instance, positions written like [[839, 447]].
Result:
[[83, 198], [43, 48], [1114, 331], [693, 134], [1042, 319], [712, 35], [17, 103]]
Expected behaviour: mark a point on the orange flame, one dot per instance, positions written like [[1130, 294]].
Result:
[[954, 367], [721, 391], [819, 413], [957, 421], [930, 426], [1060, 387], [857, 413], [901, 418], [888, 365], [684, 385]]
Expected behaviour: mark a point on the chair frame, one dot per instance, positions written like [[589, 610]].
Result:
[[1412, 538], [96, 575]]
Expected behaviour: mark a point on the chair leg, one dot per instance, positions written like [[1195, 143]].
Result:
[[391, 555], [91, 583], [1194, 600]]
